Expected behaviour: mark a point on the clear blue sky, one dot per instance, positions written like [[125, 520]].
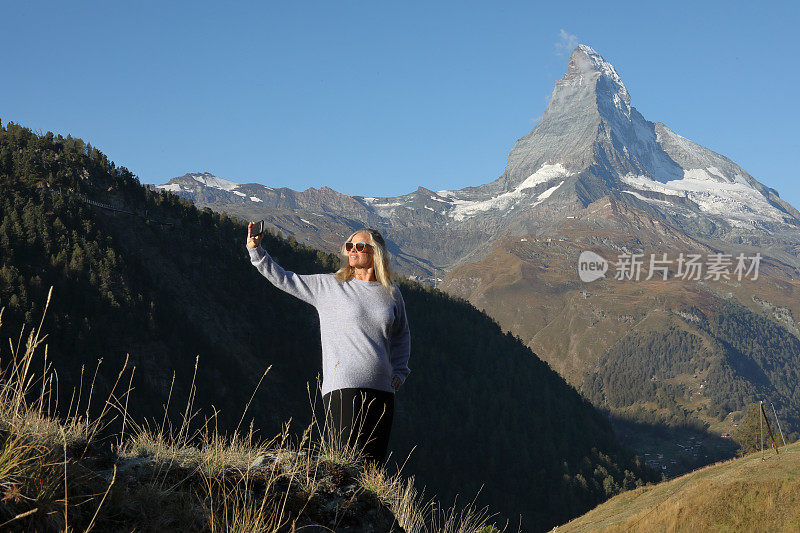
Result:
[[376, 98]]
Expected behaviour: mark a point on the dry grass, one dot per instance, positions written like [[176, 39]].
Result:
[[54, 477], [375, 479]]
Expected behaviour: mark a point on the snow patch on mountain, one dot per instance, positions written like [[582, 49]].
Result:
[[546, 194], [467, 208], [209, 180], [543, 175], [712, 194], [646, 199], [382, 207]]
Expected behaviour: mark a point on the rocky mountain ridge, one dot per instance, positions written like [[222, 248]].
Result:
[[591, 143]]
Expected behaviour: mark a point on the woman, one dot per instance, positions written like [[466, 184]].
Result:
[[365, 336]]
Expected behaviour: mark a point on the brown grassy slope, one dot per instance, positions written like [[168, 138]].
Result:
[[530, 286], [745, 494]]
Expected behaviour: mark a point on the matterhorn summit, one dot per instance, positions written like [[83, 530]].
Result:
[[590, 123], [602, 146]]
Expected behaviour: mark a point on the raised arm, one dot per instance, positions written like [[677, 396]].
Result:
[[401, 340], [303, 287]]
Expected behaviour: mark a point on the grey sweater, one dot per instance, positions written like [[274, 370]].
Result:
[[365, 336]]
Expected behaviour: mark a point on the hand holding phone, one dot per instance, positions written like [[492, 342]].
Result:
[[255, 232]]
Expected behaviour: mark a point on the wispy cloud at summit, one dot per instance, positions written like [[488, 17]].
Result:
[[566, 43]]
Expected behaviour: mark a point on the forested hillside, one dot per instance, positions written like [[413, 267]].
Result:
[[672, 390], [147, 274], [740, 357]]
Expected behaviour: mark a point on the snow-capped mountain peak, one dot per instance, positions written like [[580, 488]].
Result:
[[591, 144], [210, 180], [193, 180]]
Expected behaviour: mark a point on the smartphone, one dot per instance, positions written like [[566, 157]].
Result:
[[257, 228]]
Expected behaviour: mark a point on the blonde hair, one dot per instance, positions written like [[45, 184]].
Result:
[[380, 260]]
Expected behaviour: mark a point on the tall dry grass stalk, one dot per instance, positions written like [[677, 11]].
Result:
[[32, 469], [197, 479]]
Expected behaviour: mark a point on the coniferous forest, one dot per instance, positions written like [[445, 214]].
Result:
[[743, 357], [144, 275]]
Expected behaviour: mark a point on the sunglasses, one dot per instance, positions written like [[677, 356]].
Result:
[[359, 246]]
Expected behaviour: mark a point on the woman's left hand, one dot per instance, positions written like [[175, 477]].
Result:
[[396, 382]]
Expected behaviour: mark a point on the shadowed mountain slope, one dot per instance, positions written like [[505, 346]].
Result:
[[147, 275]]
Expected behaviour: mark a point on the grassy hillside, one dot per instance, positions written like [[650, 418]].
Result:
[[146, 276], [744, 494]]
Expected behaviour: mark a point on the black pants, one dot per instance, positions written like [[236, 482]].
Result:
[[362, 418]]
